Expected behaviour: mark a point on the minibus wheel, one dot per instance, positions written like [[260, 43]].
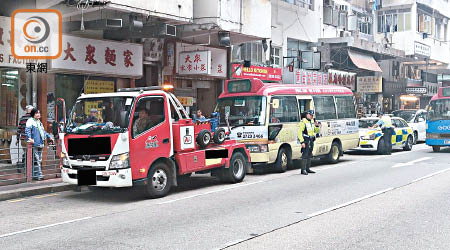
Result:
[[159, 182], [334, 154], [283, 159], [436, 149]]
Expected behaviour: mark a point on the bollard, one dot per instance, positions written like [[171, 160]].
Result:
[[29, 161]]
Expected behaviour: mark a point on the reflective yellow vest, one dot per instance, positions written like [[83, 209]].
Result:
[[311, 129], [387, 122]]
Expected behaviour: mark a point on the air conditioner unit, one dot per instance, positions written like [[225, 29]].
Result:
[[170, 30], [445, 21]]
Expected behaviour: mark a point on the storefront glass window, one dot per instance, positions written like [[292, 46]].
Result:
[[9, 88]]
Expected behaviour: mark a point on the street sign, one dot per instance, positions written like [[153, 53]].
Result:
[[422, 49], [416, 90]]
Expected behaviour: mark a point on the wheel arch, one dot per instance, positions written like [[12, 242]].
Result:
[[172, 166]]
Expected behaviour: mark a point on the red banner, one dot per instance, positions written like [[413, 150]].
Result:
[[262, 73]]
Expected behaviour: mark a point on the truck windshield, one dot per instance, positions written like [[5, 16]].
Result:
[[243, 110], [100, 115], [439, 110]]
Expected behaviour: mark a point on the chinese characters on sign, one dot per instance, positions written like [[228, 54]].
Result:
[[369, 84], [194, 63], [262, 73], [342, 78], [98, 56], [98, 86], [308, 77], [215, 66], [186, 101], [36, 67], [422, 49]]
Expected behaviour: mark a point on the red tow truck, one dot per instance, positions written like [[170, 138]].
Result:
[[143, 136]]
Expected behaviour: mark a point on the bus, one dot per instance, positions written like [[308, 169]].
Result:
[[265, 116], [438, 120]]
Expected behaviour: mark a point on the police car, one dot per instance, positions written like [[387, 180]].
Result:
[[373, 140]]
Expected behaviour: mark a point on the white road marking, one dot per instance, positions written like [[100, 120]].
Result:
[[348, 203], [431, 175], [211, 192], [410, 163], [43, 227]]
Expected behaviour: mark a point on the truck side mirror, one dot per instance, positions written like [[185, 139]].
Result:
[[420, 119]]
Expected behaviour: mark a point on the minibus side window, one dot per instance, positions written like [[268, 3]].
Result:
[[325, 108], [287, 110], [345, 107]]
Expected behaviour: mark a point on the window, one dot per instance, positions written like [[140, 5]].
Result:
[[249, 51], [364, 23], [324, 107], [302, 3], [425, 23], [276, 56], [294, 49], [398, 123], [286, 112], [149, 112], [394, 21], [9, 97], [345, 107]]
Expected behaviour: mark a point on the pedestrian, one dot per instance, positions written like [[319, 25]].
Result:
[[385, 123], [21, 134], [36, 135], [307, 131]]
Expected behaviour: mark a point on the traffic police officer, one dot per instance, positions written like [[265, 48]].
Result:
[[385, 123], [308, 128]]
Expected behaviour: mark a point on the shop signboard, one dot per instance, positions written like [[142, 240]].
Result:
[[194, 62], [416, 90], [422, 49], [309, 77], [99, 57], [369, 84], [98, 86], [6, 57], [186, 101], [215, 66], [262, 73], [342, 78]]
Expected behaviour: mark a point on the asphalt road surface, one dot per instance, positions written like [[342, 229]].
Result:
[[366, 201]]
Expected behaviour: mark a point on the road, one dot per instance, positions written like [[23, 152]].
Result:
[[366, 201]]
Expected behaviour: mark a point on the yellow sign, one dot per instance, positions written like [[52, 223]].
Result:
[[186, 101], [98, 86]]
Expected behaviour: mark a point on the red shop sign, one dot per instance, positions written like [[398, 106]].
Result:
[[262, 73]]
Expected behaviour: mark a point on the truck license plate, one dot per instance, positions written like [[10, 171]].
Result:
[[87, 177]]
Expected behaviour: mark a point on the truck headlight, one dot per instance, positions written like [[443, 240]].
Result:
[[257, 148], [119, 161], [65, 161]]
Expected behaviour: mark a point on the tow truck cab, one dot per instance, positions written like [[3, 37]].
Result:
[[142, 137]]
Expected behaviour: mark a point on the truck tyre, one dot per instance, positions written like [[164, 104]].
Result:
[[236, 172], [159, 182], [408, 144], [204, 138], [219, 136], [334, 154], [282, 162], [436, 149], [380, 147]]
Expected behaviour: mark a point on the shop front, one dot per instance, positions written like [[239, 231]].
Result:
[[197, 74], [391, 94], [15, 93], [90, 66], [369, 90]]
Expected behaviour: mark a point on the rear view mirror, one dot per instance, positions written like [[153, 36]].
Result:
[[275, 103]]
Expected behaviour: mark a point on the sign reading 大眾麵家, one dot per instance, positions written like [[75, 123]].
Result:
[[99, 57]]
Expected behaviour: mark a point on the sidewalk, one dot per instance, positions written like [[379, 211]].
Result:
[[34, 188]]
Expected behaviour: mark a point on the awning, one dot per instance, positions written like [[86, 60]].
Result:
[[364, 61]]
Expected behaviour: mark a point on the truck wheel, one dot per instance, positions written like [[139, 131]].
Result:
[[159, 182], [219, 136], [283, 159], [380, 147], [436, 149], [236, 172], [408, 144], [334, 154], [204, 138]]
